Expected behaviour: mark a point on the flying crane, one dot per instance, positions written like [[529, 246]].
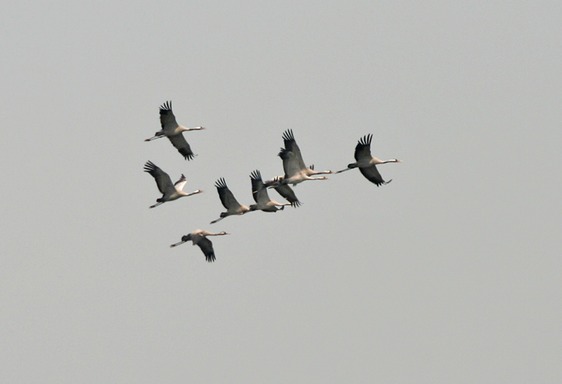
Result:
[[174, 131], [367, 163], [199, 237], [169, 191]]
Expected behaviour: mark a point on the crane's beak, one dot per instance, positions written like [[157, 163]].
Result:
[[176, 244]]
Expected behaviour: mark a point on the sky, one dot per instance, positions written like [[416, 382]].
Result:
[[451, 273]]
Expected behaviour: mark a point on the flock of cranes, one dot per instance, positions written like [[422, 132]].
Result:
[[294, 167]]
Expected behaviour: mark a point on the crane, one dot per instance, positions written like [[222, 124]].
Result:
[[169, 191], [293, 164], [173, 131], [199, 237], [367, 163], [261, 197], [233, 207]]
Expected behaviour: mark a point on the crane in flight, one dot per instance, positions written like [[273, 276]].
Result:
[[293, 164], [174, 131], [233, 207], [199, 237], [169, 191], [261, 197], [367, 163]]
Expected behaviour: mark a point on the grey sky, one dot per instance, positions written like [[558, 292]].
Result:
[[450, 274]]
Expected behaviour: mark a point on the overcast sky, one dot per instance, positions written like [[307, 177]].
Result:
[[449, 274]]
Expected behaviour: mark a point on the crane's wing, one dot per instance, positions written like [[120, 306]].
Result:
[[291, 145], [167, 117], [290, 163], [180, 183], [207, 247], [372, 174], [363, 148], [259, 191], [163, 180], [182, 146], [227, 198], [289, 195]]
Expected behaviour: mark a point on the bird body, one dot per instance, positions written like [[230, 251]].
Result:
[[367, 163], [174, 131], [169, 191], [261, 197], [233, 207], [293, 164], [199, 238]]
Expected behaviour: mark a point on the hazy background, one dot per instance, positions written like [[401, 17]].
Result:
[[450, 274]]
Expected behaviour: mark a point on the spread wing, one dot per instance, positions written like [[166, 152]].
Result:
[[259, 191], [207, 247], [372, 174], [289, 195], [291, 145], [227, 198], [363, 148], [291, 165], [162, 179], [182, 145], [167, 117]]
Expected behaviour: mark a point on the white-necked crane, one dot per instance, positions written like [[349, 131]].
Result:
[[261, 197], [284, 190], [293, 164], [169, 191], [367, 163], [199, 237], [233, 207], [173, 131]]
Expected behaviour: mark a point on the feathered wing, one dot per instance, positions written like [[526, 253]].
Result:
[[207, 247], [259, 191], [288, 194], [179, 142], [363, 149], [372, 174], [292, 146], [290, 163], [167, 117], [163, 180], [227, 198]]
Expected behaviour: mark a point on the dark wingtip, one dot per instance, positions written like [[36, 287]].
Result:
[[166, 107]]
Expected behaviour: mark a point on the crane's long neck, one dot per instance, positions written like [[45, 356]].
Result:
[[316, 178], [182, 128], [320, 172], [190, 193], [222, 233], [379, 161]]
